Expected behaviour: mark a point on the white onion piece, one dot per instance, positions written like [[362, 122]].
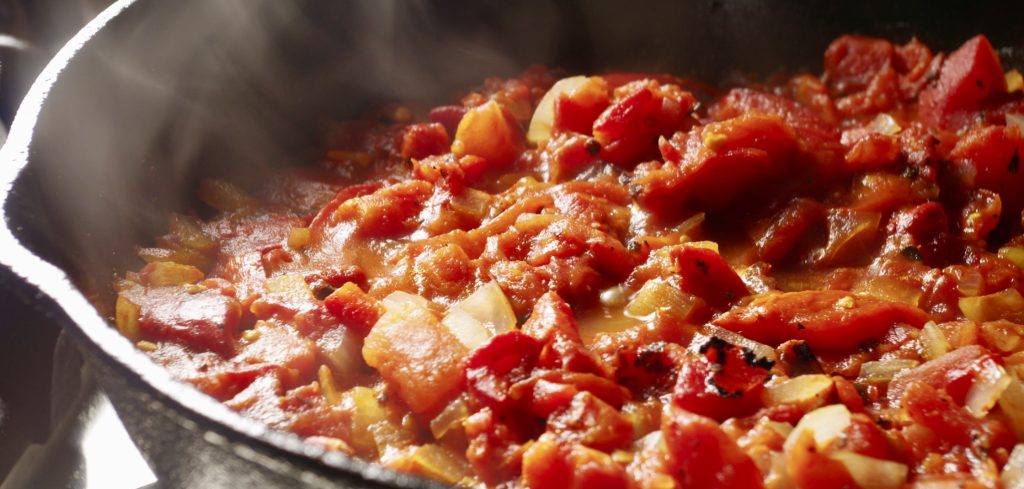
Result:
[[1013, 472], [809, 391], [886, 124], [452, 417], [485, 313], [933, 341], [398, 300], [883, 371], [990, 384], [469, 331], [824, 423], [1012, 405], [544, 115], [870, 472]]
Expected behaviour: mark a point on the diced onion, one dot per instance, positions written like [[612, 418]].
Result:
[[1012, 405], [933, 341], [327, 385], [883, 371], [291, 287], [450, 418], [658, 295], [870, 472], [988, 386], [809, 391], [469, 331], [1007, 304], [436, 463], [544, 115], [342, 350], [885, 124], [615, 296], [824, 423], [971, 283], [1013, 472], [1014, 254], [398, 300], [708, 331], [1004, 336], [889, 289], [126, 317], [485, 313]]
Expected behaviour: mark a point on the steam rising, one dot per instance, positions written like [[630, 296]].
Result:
[[174, 91]]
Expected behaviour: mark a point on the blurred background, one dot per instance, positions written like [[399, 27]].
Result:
[[51, 414]]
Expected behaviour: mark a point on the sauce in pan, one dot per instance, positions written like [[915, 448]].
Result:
[[632, 280]]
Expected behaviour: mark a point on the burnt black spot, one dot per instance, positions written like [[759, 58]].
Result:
[[979, 83], [1014, 165], [730, 295], [750, 358], [911, 172], [883, 423], [652, 358], [803, 352], [702, 266], [593, 147], [800, 326], [722, 391], [912, 253], [713, 343]]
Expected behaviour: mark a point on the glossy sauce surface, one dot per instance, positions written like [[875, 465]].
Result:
[[630, 280]]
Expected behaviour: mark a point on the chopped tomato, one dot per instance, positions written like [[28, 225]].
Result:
[[971, 75], [702, 456], [723, 382], [826, 319]]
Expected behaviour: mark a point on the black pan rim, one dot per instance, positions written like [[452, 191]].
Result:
[[56, 296]]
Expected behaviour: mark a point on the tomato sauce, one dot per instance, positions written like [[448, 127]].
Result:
[[630, 280]]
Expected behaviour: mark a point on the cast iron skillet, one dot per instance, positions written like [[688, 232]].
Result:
[[152, 95]]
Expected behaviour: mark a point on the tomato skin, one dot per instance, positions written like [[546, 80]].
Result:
[[556, 464], [953, 373], [552, 324], [935, 410], [989, 158], [851, 61], [863, 436], [702, 456], [205, 321], [811, 469], [786, 229], [448, 116], [423, 140], [969, 76], [493, 367], [825, 319], [927, 228], [577, 110], [708, 167], [719, 383], [629, 128], [707, 275], [354, 308], [818, 137]]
